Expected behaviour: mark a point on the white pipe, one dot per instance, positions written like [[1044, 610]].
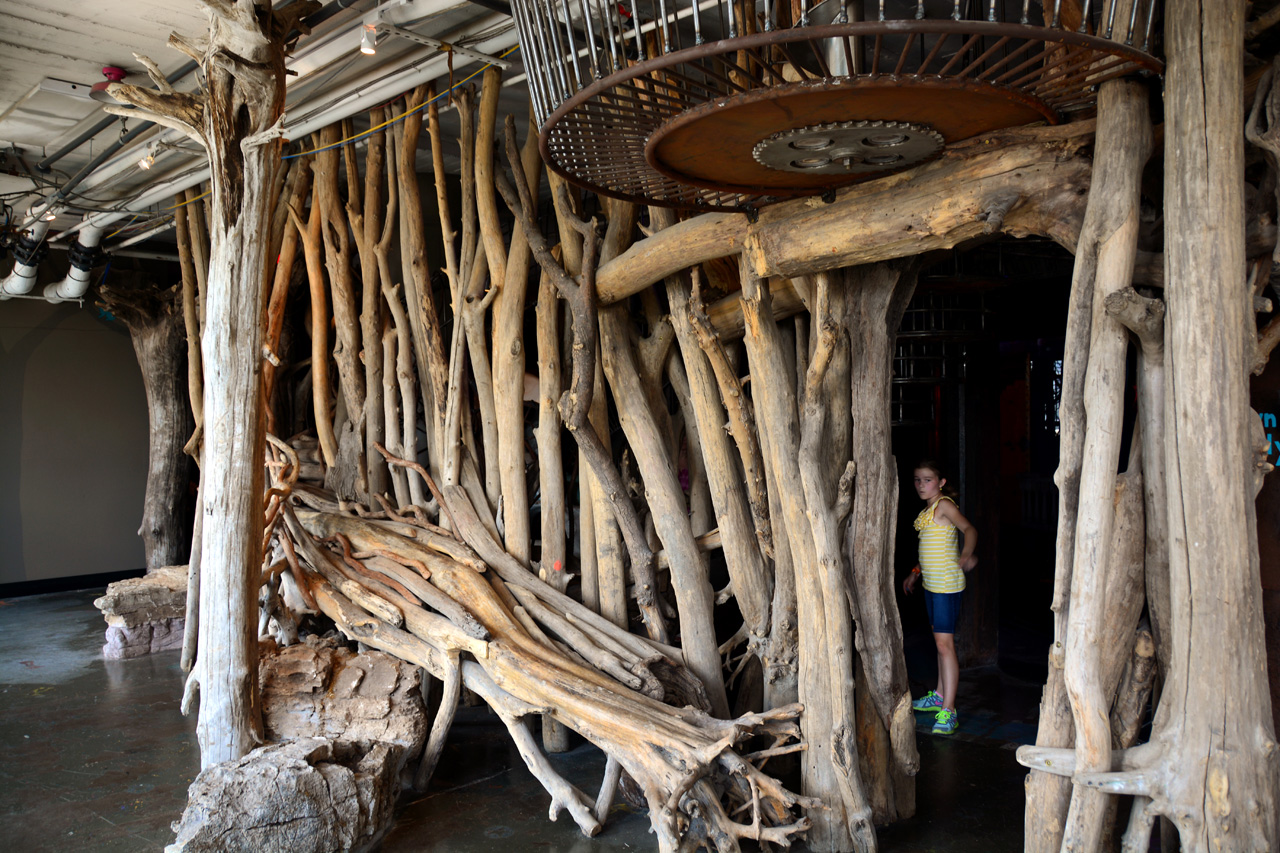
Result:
[[76, 283], [23, 277], [145, 235]]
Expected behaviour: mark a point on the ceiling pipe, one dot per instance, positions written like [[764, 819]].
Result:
[[44, 165], [74, 180], [346, 106], [27, 254], [84, 252]]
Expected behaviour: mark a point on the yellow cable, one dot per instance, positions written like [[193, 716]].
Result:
[[187, 202]]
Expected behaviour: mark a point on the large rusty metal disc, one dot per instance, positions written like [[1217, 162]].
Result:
[[725, 143]]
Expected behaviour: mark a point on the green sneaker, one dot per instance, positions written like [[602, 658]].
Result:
[[930, 702], [945, 723]]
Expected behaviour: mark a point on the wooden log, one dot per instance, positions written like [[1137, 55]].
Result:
[[666, 501], [428, 341], [236, 120], [1048, 796], [198, 226], [298, 188], [576, 404], [935, 206], [1110, 234], [508, 376], [346, 474], [741, 420], [310, 234], [878, 295], [751, 577], [1217, 605], [366, 229], [154, 320], [665, 750], [1144, 318], [553, 559], [829, 766], [391, 415]]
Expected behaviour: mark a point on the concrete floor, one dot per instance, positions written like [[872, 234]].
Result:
[[94, 756]]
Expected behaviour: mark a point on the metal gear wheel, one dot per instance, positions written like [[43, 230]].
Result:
[[849, 147]]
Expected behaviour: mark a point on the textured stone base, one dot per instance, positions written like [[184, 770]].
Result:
[[146, 614], [125, 643], [315, 689], [306, 796]]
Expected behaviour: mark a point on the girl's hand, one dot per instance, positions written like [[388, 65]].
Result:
[[909, 583], [968, 562]]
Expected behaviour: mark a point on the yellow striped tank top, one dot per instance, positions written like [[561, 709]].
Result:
[[938, 563]]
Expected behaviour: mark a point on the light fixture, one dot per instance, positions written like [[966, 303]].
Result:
[[49, 216], [98, 91], [149, 159], [369, 38]]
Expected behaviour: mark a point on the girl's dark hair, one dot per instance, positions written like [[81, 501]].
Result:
[[932, 465]]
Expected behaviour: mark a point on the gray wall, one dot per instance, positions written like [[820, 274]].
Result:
[[73, 443]]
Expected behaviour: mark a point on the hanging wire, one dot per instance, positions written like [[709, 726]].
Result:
[[358, 136]]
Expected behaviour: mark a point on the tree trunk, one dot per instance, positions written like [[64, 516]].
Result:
[[236, 119], [1214, 544], [829, 765], [156, 327], [1211, 765], [1092, 393], [879, 296]]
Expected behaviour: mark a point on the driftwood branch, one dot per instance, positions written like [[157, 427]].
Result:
[[575, 405]]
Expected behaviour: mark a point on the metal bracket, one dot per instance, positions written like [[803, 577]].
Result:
[[444, 45]]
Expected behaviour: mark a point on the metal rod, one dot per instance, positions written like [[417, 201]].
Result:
[[572, 57], [666, 26], [635, 22], [591, 39], [1084, 17], [958, 55], [542, 102], [1133, 22], [902, 58], [1151, 16]]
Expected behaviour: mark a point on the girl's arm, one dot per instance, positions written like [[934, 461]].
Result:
[[949, 511]]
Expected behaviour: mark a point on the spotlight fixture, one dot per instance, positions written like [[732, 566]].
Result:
[[98, 91], [369, 39], [149, 159], [49, 216]]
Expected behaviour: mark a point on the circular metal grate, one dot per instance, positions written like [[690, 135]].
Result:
[[703, 104]]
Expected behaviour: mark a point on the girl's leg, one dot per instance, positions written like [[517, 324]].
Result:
[[948, 669]]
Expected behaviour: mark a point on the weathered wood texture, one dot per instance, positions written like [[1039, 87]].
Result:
[[1093, 379], [236, 119], [154, 319], [1017, 182], [1220, 717]]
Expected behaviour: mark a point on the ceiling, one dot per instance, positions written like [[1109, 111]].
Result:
[[53, 51]]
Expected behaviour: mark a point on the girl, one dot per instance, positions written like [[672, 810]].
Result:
[[944, 584]]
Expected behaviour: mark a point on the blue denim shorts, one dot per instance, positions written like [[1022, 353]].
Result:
[[944, 610]]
